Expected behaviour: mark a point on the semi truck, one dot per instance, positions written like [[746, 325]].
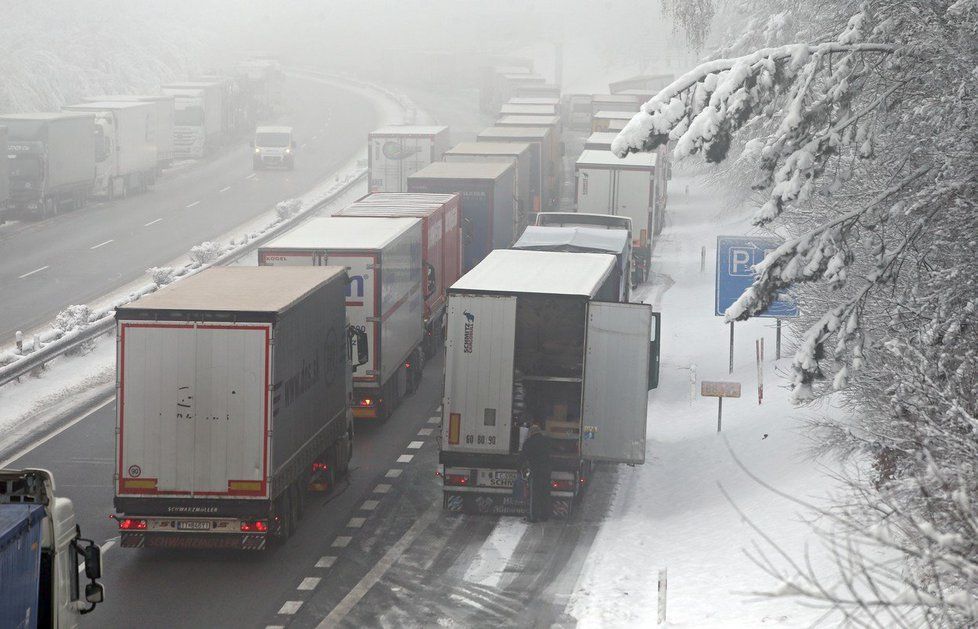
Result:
[[198, 119], [125, 146], [233, 393], [384, 297], [543, 160], [44, 560], [4, 176], [441, 252], [607, 184], [538, 337], [396, 152], [578, 239], [53, 161], [527, 186], [163, 135], [488, 192]]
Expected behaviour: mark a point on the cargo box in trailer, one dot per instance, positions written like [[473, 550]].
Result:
[[53, 160], [384, 297], [545, 161], [527, 187], [233, 398], [396, 152], [488, 191], [576, 239], [20, 564], [536, 337], [441, 250], [125, 146], [607, 184], [4, 176], [163, 136]]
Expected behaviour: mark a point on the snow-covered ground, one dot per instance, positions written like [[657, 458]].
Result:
[[672, 513]]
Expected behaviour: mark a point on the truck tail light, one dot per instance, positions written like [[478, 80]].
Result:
[[130, 524], [562, 484], [365, 402], [456, 479], [255, 526]]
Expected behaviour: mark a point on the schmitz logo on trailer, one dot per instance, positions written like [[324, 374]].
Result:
[[469, 332]]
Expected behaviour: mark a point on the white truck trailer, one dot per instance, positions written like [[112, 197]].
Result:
[[41, 555], [125, 146], [396, 152], [163, 136], [538, 337], [607, 184], [384, 299], [4, 176], [233, 399], [198, 120]]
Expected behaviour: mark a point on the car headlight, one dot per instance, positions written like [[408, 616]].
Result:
[[257, 151], [288, 151]]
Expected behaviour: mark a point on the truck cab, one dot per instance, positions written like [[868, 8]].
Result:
[[274, 147], [53, 558]]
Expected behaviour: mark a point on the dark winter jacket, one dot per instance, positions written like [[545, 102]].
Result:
[[536, 451]]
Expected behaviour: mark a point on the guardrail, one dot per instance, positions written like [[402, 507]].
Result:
[[105, 324]]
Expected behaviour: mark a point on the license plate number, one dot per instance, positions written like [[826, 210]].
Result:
[[194, 525], [497, 478]]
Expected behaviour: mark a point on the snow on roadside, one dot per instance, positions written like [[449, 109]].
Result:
[[671, 513]]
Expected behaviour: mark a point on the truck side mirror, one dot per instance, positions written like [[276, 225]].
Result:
[[93, 562], [654, 349], [94, 593]]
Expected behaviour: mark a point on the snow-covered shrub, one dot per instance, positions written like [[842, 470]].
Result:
[[73, 318], [205, 253], [288, 208], [160, 275]]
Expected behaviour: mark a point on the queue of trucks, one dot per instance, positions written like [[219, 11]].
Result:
[[113, 145]]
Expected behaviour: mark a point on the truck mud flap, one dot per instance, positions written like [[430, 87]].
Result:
[[230, 542]]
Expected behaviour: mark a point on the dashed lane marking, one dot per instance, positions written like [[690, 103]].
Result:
[[308, 584], [382, 488], [225, 189], [251, 176], [356, 523], [34, 271], [325, 561], [405, 458], [193, 204], [153, 222], [415, 445], [434, 420], [393, 473], [425, 432], [101, 244], [342, 541], [290, 607], [369, 505]]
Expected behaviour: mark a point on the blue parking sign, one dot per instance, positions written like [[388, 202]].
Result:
[[736, 256]]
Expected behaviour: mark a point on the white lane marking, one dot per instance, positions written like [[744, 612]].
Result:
[[153, 222], [225, 189], [393, 473], [252, 176], [369, 505], [290, 607], [489, 564], [101, 244], [325, 561], [193, 204], [415, 445], [434, 420], [383, 488], [104, 548], [425, 432], [376, 573], [308, 584], [46, 266], [49, 437], [274, 626], [356, 523], [439, 408], [404, 458], [315, 137], [342, 541]]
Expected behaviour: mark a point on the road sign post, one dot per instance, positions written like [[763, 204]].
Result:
[[719, 390], [731, 348], [777, 342]]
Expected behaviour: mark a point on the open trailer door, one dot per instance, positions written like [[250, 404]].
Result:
[[616, 382]]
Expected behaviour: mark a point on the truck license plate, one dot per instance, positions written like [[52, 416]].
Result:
[[193, 525], [497, 478]]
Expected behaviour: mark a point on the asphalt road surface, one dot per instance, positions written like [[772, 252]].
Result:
[[80, 256]]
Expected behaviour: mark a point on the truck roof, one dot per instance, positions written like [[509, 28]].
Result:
[[532, 133], [541, 272], [45, 115], [127, 98], [237, 289], [529, 121], [534, 100], [462, 170], [602, 138], [488, 148], [417, 204], [108, 105], [610, 240], [408, 130], [614, 98], [274, 129], [343, 233], [194, 84], [596, 157], [614, 115]]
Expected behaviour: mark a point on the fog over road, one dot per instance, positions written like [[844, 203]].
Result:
[[80, 256]]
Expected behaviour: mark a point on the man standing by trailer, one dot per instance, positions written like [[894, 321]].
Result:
[[536, 456]]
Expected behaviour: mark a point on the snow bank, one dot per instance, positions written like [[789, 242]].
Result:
[[671, 512]]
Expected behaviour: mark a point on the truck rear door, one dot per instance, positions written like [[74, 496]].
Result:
[[478, 402], [616, 387]]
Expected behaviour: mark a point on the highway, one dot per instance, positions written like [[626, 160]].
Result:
[[80, 256]]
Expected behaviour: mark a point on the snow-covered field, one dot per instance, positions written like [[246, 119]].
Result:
[[672, 513]]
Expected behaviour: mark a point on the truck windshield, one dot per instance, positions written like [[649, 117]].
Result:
[[274, 140], [188, 117], [25, 167]]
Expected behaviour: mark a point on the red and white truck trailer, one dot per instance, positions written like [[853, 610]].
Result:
[[233, 393], [441, 247], [538, 337], [383, 299], [396, 152]]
